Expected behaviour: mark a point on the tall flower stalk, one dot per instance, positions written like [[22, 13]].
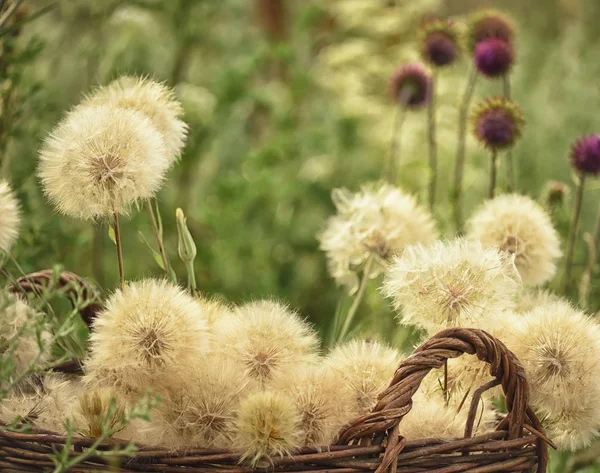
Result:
[[585, 159], [357, 300], [510, 165], [119, 249], [431, 118], [410, 89], [159, 237]]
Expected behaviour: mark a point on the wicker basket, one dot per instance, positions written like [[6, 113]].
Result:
[[369, 443]]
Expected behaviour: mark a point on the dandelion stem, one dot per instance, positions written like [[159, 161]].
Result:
[[119, 250], [493, 169], [461, 148], [394, 157], [357, 300], [573, 232], [510, 165], [432, 144], [159, 239]]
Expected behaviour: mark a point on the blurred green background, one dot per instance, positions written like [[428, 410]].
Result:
[[286, 100]]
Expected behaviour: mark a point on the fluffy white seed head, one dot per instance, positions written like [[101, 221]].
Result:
[[575, 427], [100, 160], [377, 222], [519, 225], [155, 100], [24, 336], [203, 414], [41, 400], [267, 427], [452, 284], [148, 333], [10, 217], [530, 298], [559, 347], [323, 400], [213, 309], [367, 368], [265, 337], [99, 410]]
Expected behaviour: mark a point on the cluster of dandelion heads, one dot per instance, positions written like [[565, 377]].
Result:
[[265, 337], [323, 402], [149, 332], [519, 225], [10, 218], [24, 336], [40, 400], [202, 414], [585, 155], [451, 284], [440, 42], [498, 123], [101, 160], [489, 25], [155, 100], [410, 86], [267, 428], [366, 368], [373, 224], [559, 347]]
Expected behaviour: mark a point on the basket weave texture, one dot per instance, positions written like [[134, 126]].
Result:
[[369, 443]]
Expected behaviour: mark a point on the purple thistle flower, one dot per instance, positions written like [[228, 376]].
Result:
[[489, 24], [440, 49], [494, 57], [498, 123], [585, 155], [410, 86]]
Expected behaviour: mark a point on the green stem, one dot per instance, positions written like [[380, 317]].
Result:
[[510, 164], [191, 277], [432, 144], [159, 239], [493, 169], [573, 233], [461, 149], [357, 299], [597, 232], [119, 249], [394, 157]]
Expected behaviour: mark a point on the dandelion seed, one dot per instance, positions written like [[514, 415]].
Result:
[[10, 218], [203, 414], [100, 160], [377, 223], [559, 347], [267, 428], [148, 332], [518, 225], [323, 402], [24, 336], [265, 337], [452, 284], [41, 400], [155, 100], [367, 368]]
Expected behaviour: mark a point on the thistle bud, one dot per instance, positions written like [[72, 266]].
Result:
[[498, 123], [585, 155], [186, 247], [439, 43], [410, 86]]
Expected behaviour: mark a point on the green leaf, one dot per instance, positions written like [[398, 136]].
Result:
[[155, 254]]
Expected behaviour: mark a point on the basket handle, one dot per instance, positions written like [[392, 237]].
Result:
[[75, 286], [396, 401]]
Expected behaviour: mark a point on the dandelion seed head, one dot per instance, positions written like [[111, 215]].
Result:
[[517, 224], [265, 337], [149, 331], [267, 428], [97, 408], [10, 217], [322, 400], [559, 347], [155, 100], [367, 368], [451, 284], [99, 160], [375, 223], [530, 298]]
